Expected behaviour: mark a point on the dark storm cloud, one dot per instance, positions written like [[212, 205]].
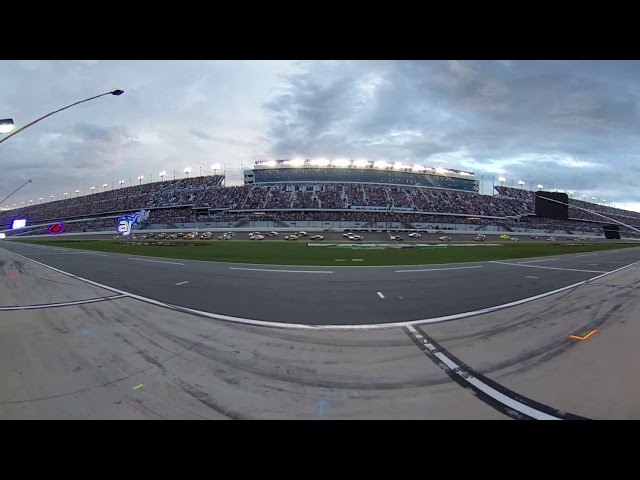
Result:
[[565, 124]]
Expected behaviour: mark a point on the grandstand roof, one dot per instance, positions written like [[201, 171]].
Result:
[[361, 164]]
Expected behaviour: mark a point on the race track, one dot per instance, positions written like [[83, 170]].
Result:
[[76, 349]]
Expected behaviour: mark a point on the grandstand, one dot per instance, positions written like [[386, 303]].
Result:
[[270, 172], [280, 194]]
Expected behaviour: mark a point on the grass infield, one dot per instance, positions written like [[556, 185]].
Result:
[[285, 253]]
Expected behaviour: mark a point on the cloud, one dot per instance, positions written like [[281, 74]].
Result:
[[564, 124]]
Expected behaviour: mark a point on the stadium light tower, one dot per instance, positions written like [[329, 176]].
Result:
[[6, 125], [65, 195], [104, 186], [116, 92], [77, 193], [92, 189], [51, 198], [540, 186], [40, 200], [187, 170], [162, 174], [140, 178], [121, 182], [502, 180], [521, 183], [215, 167]]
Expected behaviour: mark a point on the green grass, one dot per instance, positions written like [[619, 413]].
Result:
[[284, 253]]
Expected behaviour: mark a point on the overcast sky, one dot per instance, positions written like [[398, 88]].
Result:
[[568, 125]]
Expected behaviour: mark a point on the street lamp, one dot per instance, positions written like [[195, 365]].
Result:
[[116, 92], [187, 170], [162, 174], [6, 125], [121, 182], [140, 178]]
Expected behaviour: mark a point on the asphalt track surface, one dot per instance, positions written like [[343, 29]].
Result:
[[73, 349], [330, 295]]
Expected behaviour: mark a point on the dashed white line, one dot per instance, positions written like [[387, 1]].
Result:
[[437, 269], [380, 294], [155, 261], [543, 260], [284, 271], [585, 255], [182, 283], [549, 268]]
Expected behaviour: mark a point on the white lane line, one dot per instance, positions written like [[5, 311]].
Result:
[[486, 389], [585, 255], [52, 253], [298, 326], [182, 283], [380, 294], [437, 269], [545, 260], [285, 271], [549, 268], [93, 253], [155, 261]]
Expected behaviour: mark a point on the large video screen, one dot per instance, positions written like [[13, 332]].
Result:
[[18, 223], [552, 205]]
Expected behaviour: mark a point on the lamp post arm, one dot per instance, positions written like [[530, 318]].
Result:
[[15, 132], [5, 198]]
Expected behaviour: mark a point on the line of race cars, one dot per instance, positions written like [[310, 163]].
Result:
[[348, 235]]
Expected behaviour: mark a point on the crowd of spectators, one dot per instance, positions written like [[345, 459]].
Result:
[[204, 199]]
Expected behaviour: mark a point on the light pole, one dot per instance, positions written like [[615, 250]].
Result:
[[121, 182], [140, 178], [77, 193], [40, 200], [187, 170], [6, 125], [540, 186], [215, 167], [51, 198], [15, 132], [521, 183], [162, 174], [92, 189], [502, 180], [5, 198], [104, 186], [65, 195]]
